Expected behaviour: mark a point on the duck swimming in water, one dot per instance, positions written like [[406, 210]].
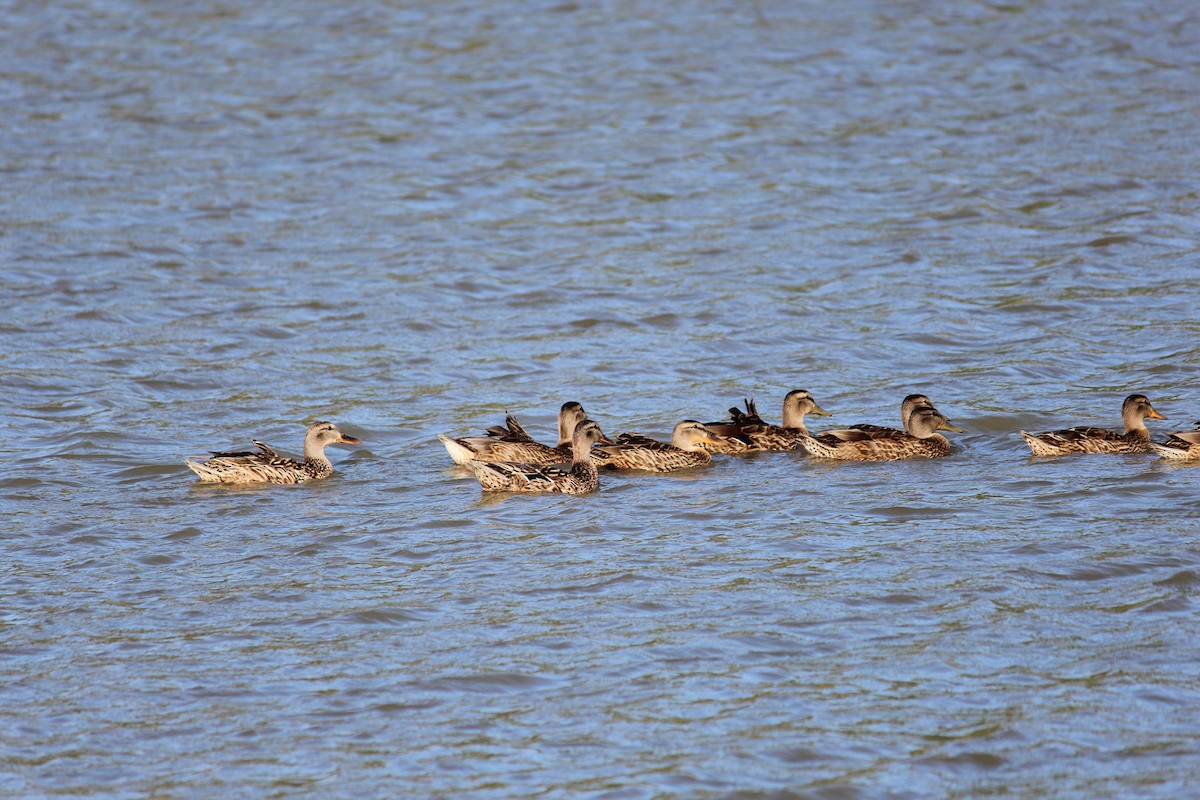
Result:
[[1180, 445], [509, 442], [907, 406], [685, 451], [577, 477], [921, 440], [1136, 439], [267, 466], [748, 432]]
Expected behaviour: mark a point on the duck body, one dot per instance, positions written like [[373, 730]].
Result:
[[512, 444], [1181, 445], [1136, 439], [749, 433], [633, 451], [266, 466], [580, 476], [879, 443], [1085, 439], [840, 446]]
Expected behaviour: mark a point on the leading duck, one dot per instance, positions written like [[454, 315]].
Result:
[[267, 466]]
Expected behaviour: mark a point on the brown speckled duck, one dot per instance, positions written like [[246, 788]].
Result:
[[267, 466], [509, 442], [921, 440], [578, 477], [748, 432], [634, 451], [907, 406], [1136, 439], [1181, 445]]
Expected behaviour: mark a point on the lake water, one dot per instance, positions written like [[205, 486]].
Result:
[[221, 221]]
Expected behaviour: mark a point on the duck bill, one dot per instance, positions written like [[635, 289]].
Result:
[[820, 412], [946, 426], [1155, 415], [350, 440]]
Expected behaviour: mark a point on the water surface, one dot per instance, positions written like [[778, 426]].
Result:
[[222, 222]]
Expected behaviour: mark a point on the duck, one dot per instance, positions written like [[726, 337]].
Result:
[[761, 435], [580, 476], [1180, 445], [920, 440], [267, 466], [685, 451], [510, 442], [1136, 439], [907, 406]]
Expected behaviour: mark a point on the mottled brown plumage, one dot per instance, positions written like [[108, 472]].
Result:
[[921, 440], [267, 466], [1135, 439], [748, 432], [510, 442], [634, 451], [1181, 445], [577, 477], [907, 406]]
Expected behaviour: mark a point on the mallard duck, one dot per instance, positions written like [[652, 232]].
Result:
[[907, 406], [634, 451], [762, 435], [1135, 439], [921, 440], [510, 442], [577, 477], [1180, 445], [267, 466]]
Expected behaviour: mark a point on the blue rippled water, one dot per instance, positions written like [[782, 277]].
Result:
[[219, 223]]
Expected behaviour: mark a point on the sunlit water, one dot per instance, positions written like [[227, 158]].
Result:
[[222, 221]]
